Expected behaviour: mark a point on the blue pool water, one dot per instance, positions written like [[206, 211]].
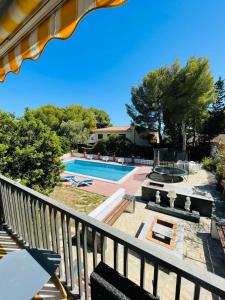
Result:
[[100, 170]]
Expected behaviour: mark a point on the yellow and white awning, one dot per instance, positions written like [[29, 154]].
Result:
[[26, 26]]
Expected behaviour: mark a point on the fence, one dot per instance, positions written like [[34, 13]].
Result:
[[127, 160]]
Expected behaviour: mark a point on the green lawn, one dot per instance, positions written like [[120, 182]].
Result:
[[77, 198]]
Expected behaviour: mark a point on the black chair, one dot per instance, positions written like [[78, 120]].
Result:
[[108, 284]]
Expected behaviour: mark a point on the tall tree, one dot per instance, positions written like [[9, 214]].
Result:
[[50, 115], [101, 117], [215, 124], [190, 93], [7, 137], [147, 99], [77, 113], [35, 155], [56, 119], [76, 132], [219, 105]]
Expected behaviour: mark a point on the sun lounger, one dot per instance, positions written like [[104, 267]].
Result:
[[90, 156], [23, 273], [77, 182], [121, 160], [105, 158]]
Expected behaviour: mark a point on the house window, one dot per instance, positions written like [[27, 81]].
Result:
[[100, 136], [108, 135]]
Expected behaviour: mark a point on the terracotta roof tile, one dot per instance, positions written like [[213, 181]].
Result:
[[218, 138], [113, 129]]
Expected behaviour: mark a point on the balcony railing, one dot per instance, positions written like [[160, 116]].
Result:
[[39, 221]]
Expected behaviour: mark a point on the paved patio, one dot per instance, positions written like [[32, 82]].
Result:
[[199, 248], [131, 184]]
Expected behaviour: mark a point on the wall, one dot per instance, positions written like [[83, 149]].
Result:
[[134, 138]]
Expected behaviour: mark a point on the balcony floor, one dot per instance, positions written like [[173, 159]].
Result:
[[7, 245]]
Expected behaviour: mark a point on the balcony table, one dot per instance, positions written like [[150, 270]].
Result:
[[23, 273]]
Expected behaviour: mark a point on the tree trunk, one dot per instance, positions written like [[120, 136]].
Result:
[[194, 139], [159, 128], [184, 138], [194, 135]]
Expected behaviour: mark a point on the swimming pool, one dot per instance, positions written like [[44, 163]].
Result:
[[98, 170]]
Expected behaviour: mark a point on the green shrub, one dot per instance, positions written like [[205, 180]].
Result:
[[217, 163], [122, 147], [209, 163], [143, 152], [115, 144], [220, 162]]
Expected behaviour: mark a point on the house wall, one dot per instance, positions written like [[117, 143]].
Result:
[[134, 138]]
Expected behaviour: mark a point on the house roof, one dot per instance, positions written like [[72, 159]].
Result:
[[218, 138], [113, 129]]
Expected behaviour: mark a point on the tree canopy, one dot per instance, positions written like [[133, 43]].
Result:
[[215, 124], [31, 146], [76, 132], [174, 99], [190, 93], [60, 119], [30, 152]]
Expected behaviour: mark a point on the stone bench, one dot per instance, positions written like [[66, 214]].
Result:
[[108, 212]]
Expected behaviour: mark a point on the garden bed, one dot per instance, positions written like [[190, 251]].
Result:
[[76, 198]]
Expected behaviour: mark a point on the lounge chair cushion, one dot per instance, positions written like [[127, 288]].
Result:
[[108, 284]]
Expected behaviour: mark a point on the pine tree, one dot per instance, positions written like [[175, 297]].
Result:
[[216, 121], [219, 105]]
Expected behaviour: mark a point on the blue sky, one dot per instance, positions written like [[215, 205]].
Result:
[[113, 49]]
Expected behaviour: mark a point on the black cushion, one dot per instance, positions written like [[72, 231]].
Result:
[[108, 284]]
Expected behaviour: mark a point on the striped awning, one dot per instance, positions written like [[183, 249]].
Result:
[[27, 26]]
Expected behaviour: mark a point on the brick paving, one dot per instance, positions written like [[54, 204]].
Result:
[[199, 249]]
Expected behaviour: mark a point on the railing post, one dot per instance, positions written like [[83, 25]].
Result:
[[2, 216]]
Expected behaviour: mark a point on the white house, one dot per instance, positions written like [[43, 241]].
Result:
[[128, 132]]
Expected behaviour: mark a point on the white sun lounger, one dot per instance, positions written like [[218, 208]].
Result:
[[121, 160], [77, 182], [105, 158]]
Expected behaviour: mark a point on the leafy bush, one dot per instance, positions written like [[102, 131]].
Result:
[[208, 163], [115, 144], [220, 161], [217, 163], [122, 147], [143, 152], [30, 151], [65, 144]]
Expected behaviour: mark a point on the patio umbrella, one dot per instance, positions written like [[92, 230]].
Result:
[[27, 26]]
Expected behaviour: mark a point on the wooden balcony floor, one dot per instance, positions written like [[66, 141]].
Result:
[[7, 245]]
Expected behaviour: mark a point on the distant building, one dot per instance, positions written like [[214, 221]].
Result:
[[215, 141], [128, 132]]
